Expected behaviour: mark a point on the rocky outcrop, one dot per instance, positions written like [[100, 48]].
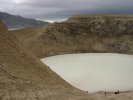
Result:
[[85, 33], [24, 77]]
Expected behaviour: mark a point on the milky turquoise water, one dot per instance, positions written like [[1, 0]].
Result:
[[94, 71]]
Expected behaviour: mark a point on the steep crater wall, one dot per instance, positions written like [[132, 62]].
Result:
[[24, 77], [86, 33]]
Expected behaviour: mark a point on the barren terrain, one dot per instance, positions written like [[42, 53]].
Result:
[[24, 77]]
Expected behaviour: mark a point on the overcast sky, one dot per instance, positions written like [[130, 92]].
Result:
[[59, 9]]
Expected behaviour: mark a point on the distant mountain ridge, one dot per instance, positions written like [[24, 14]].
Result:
[[18, 22]]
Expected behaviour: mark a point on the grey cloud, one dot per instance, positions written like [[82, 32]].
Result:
[[47, 9]]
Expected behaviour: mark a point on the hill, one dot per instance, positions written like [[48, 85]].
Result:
[[24, 77], [18, 22], [80, 34]]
